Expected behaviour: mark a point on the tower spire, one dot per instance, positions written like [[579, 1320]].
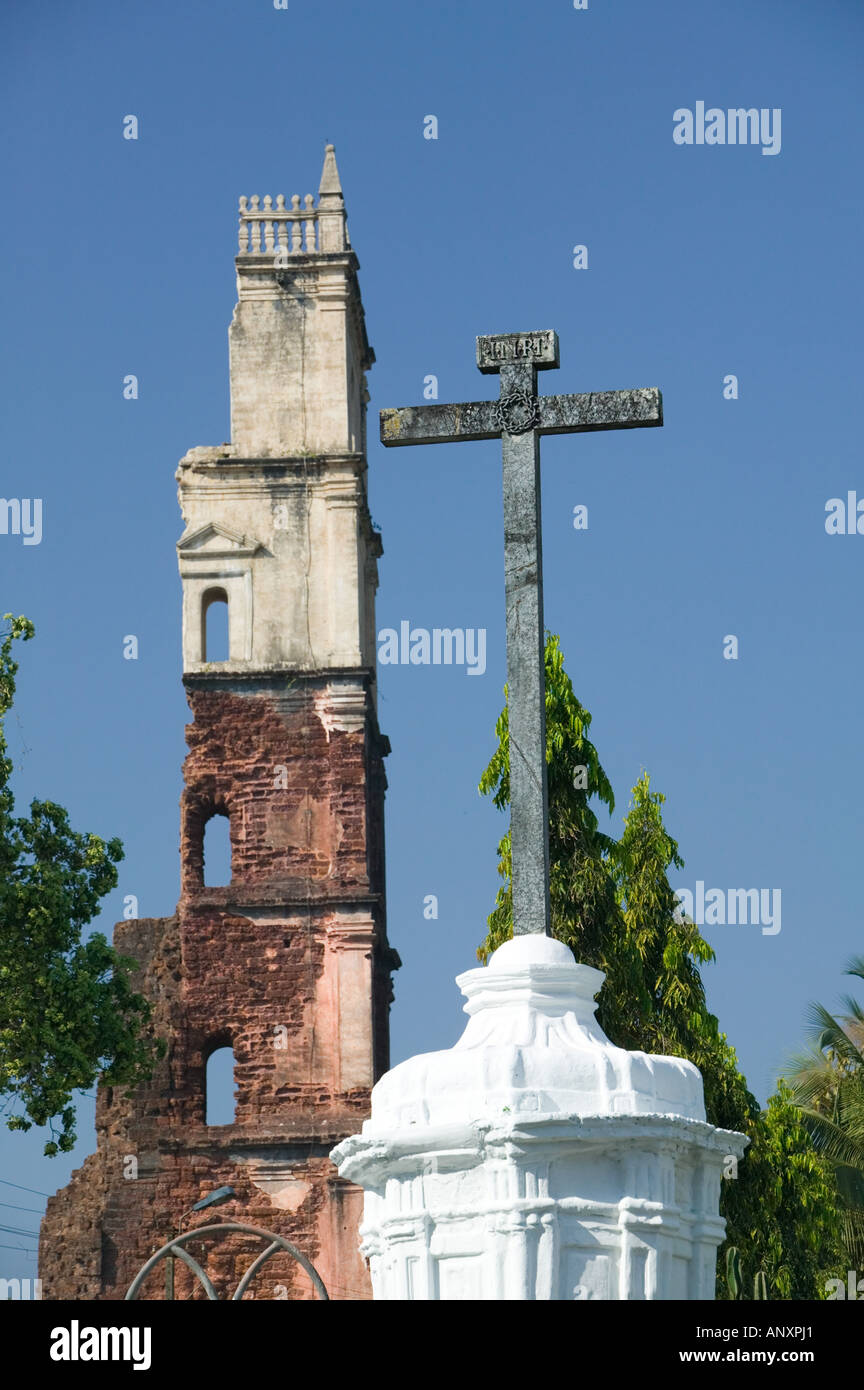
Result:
[[333, 232], [330, 186]]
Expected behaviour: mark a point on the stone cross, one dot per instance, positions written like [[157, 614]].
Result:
[[519, 417]]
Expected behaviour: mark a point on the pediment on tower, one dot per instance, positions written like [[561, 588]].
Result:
[[215, 539]]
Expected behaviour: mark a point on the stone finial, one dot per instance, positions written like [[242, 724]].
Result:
[[331, 206], [330, 185]]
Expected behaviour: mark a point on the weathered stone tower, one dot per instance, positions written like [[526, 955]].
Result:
[[288, 965]]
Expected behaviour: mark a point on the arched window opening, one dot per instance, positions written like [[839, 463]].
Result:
[[219, 1103], [215, 642], [217, 851]]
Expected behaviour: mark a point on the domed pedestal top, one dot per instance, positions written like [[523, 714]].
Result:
[[532, 1047]]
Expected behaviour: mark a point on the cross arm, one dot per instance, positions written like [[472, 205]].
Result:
[[440, 424], [595, 410], [600, 410]]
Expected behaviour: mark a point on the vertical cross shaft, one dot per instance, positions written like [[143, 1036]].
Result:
[[526, 700], [518, 418]]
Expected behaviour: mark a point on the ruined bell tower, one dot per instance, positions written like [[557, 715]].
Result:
[[288, 964]]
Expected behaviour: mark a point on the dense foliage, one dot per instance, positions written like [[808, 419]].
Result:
[[67, 1011], [828, 1083]]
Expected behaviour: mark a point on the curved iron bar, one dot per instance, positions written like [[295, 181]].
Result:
[[276, 1243], [252, 1271], [202, 1274], [175, 1248]]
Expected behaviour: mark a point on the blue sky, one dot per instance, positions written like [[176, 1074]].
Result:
[[554, 130]]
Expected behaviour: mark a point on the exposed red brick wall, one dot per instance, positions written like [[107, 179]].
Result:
[[271, 965], [296, 793]]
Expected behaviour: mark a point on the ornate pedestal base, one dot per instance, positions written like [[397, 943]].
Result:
[[534, 1160]]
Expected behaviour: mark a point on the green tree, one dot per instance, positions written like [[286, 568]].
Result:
[[670, 950], [612, 903], [781, 1207], [828, 1083], [783, 1211], [67, 1010], [585, 913]]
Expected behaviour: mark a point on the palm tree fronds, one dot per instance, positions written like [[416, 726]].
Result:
[[855, 966]]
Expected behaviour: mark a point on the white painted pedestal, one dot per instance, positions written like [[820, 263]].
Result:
[[534, 1160]]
